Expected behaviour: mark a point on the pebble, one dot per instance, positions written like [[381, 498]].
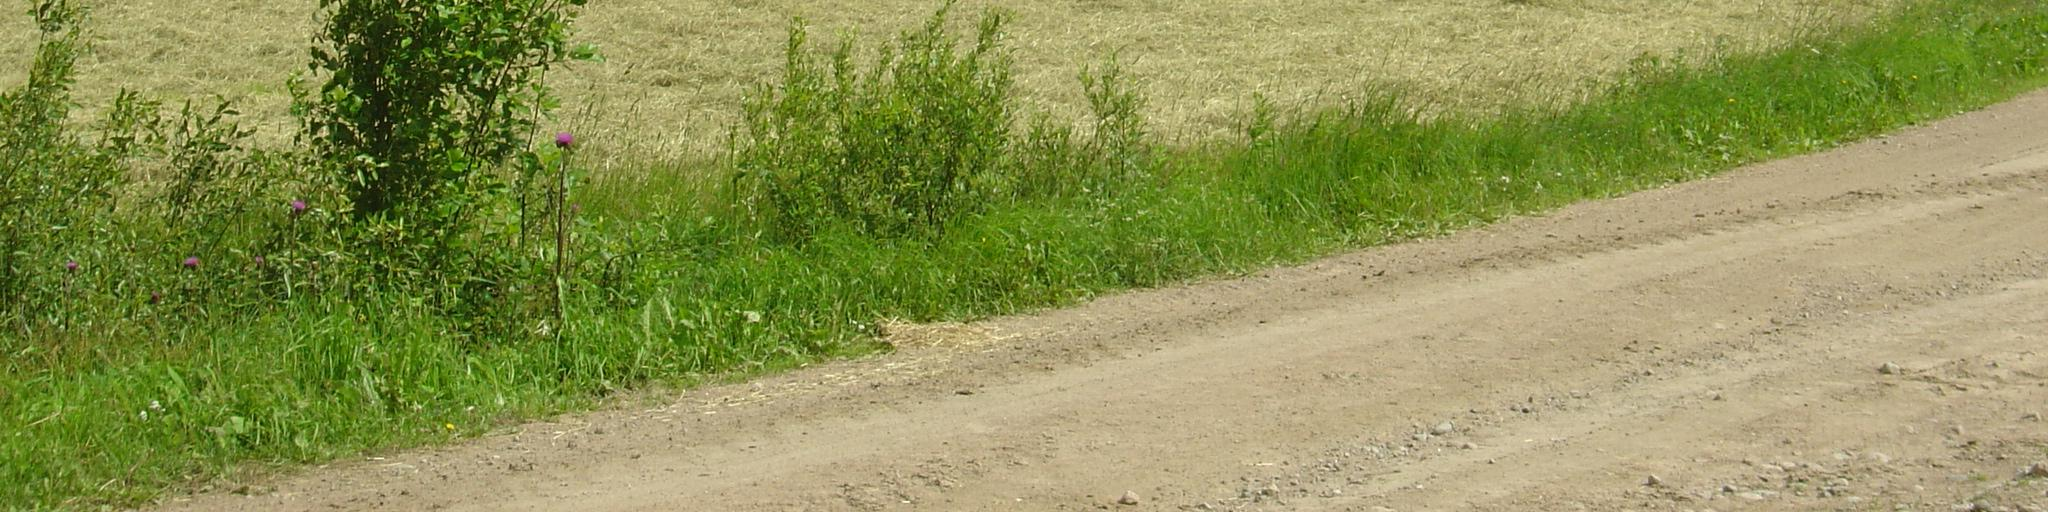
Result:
[[1890, 369], [1469, 446], [1444, 429], [1879, 457], [2037, 470], [1653, 481], [2032, 416], [1129, 498]]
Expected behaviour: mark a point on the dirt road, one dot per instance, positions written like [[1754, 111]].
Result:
[[1865, 329]]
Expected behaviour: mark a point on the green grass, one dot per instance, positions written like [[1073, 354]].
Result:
[[182, 405]]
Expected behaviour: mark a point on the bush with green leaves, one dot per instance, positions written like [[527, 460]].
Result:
[[1051, 161], [136, 222], [898, 150], [921, 138], [173, 214], [424, 103], [56, 187], [427, 126]]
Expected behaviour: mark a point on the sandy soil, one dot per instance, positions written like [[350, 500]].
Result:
[[1865, 329]]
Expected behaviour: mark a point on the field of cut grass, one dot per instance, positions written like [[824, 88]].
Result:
[[675, 69], [186, 396]]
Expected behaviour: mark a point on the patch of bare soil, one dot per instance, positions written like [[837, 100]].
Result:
[[1865, 329]]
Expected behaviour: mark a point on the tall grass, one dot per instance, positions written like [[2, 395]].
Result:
[[703, 290]]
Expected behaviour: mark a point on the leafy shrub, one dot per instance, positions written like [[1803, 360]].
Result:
[[55, 187], [898, 150], [423, 101], [169, 215], [922, 138], [1117, 153], [428, 108]]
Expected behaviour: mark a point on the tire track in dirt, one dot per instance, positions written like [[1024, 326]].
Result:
[[1723, 335]]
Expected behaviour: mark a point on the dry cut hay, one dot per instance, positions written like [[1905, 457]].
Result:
[[677, 69], [901, 335]]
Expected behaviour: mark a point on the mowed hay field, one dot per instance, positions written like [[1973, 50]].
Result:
[[675, 70]]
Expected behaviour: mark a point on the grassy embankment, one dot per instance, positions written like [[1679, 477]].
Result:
[[118, 422]]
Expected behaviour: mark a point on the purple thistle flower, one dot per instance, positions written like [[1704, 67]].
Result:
[[298, 207], [192, 262], [156, 297], [259, 261], [565, 140], [70, 266]]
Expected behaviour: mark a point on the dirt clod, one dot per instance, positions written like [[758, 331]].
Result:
[[1129, 498]]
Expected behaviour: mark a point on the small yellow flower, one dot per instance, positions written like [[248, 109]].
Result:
[[449, 426]]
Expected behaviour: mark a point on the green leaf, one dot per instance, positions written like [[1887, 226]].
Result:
[[585, 52]]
